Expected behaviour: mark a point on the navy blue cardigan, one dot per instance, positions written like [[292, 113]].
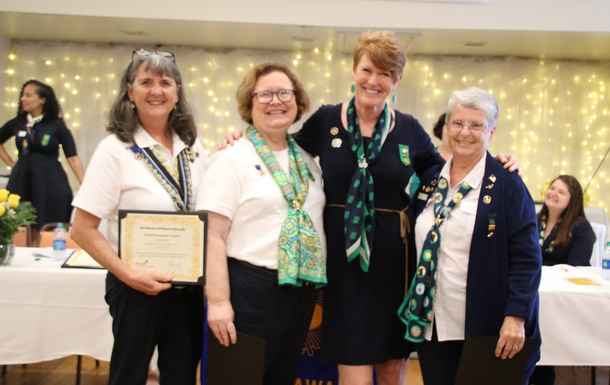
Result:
[[504, 268]]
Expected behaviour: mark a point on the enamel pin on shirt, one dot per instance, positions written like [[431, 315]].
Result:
[[336, 143], [334, 131], [261, 172]]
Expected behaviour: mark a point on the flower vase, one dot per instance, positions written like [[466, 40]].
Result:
[[7, 252]]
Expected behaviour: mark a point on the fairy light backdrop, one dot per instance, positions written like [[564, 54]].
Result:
[[553, 113]]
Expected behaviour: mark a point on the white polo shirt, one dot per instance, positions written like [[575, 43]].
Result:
[[449, 303], [115, 180], [234, 187]]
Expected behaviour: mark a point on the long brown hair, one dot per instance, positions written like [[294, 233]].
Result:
[[123, 120], [571, 216]]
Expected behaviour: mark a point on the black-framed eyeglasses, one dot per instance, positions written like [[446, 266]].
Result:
[[266, 97], [146, 52], [458, 125]]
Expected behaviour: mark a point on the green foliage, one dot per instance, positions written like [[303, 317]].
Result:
[[13, 217]]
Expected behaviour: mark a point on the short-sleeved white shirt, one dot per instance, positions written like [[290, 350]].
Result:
[[234, 187], [115, 180]]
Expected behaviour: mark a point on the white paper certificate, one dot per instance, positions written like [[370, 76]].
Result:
[[169, 243]]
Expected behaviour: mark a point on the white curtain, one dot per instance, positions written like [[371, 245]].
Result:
[[553, 114]]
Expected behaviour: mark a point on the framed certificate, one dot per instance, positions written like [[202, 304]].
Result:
[[164, 242]]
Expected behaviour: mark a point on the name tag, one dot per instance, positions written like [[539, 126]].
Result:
[[422, 196], [21, 134]]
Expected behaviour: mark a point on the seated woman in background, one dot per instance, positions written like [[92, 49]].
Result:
[[565, 234], [566, 237]]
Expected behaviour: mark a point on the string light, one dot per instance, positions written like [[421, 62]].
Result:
[[546, 117]]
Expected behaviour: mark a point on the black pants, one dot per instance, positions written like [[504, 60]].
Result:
[[543, 375], [172, 320], [280, 315], [439, 361]]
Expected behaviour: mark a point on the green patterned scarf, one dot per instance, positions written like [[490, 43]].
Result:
[[300, 258], [359, 220]]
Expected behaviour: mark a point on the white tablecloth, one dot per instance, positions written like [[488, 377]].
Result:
[[574, 318], [47, 312]]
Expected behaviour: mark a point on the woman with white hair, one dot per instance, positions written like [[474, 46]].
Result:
[[479, 260]]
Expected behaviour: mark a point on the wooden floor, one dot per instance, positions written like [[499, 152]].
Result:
[[63, 372]]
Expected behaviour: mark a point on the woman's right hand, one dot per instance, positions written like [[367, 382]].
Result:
[[220, 319], [229, 139], [149, 283]]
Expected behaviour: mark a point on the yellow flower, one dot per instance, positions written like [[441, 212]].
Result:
[[2, 210], [13, 200], [3, 195]]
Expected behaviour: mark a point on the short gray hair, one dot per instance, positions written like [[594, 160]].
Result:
[[477, 98], [123, 120]]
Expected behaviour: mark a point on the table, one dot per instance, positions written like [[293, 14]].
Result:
[[574, 318], [47, 312]]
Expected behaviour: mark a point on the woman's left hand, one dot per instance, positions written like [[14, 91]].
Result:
[[511, 162], [512, 337]]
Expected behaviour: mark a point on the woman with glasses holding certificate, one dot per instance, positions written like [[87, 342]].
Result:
[[266, 244], [479, 262], [151, 161]]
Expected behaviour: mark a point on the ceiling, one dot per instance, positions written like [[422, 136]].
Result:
[[227, 35]]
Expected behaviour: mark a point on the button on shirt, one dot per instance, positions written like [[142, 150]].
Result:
[[456, 231]]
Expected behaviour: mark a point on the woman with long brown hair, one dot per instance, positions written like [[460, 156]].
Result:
[[565, 234], [566, 237]]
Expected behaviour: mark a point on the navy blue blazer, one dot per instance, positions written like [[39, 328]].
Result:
[[504, 268]]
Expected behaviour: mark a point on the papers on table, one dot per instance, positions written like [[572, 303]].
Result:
[[81, 259]]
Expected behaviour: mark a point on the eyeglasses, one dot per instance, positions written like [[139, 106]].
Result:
[[146, 52], [458, 125], [266, 97]]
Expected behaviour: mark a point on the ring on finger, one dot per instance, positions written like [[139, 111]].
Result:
[[515, 347]]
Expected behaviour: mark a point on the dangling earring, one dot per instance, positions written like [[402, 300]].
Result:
[[133, 106], [353, 88], [394, 98]]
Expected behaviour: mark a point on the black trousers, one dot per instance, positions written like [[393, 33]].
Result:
[[439, 361], [280, 315], [543, 375], [171, 320]]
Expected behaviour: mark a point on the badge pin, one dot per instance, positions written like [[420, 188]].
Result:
[[492, 178], [138, 156], [261, 172], [487, 199], [336, 143], [334, 130], [490, 186], [490, 235]]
